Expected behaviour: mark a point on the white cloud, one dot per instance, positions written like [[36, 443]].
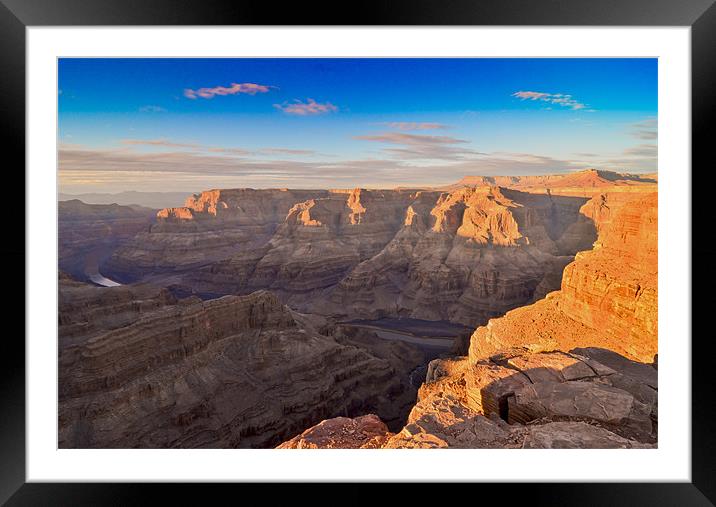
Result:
[[420, 146], [560, 99], [411, 125], [233, 89], [646, 129], [308, 108]]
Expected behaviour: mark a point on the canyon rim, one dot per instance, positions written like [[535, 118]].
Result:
[[358, 253]]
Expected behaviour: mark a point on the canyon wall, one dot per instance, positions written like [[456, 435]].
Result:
[[464, 255], [608, 296], [212, 225], [139, 368], [89, 232]]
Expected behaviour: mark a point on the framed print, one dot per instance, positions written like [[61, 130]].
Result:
[[422, 244]]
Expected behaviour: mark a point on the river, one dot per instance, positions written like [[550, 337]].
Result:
[[434, 338], [92, 262]]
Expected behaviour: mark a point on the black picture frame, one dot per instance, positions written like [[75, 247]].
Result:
[[16, 15]]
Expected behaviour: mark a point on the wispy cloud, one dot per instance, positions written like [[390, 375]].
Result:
[[419, 146], [159, 142], [411, 125], [646, 129], [560, 99], [287, 151], [229, 151], [82, 168], [166, 143], [152, 109], [310, 107], [91, 169], [639, 158], [204, 148], [642, 150], [235, 88]]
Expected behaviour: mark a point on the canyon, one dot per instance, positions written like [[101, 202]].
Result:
[[141, 368], [302, 318], [577, 369]]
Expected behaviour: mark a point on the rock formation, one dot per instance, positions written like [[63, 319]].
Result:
[[88, 233], [583, 183], [212, 225], [464, 255], [608, 296], [586, 398], [364, 432], [139, 368]]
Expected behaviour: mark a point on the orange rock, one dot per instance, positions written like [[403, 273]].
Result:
[[608, 296], [364, 432]]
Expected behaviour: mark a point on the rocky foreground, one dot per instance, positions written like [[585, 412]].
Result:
[[575, 370]]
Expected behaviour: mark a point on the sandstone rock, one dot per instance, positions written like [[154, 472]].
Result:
[[364, 432], [580, 400], [464, 256], [141, 367], [484, 251], [576, 435], [490, 386], [213, 225], [585, 182], [494, 404], [608, 297], [442, 421], [551, 367]]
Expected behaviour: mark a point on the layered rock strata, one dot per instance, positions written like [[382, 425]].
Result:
[[88, 233], [212, 225], [139, 368], [466, 254], [582, 183], [469, 255], [463, 256], [608, 296]]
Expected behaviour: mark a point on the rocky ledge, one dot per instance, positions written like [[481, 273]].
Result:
[[585, 398]]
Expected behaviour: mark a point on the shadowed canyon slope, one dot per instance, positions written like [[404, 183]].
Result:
[[139, 368], [575, 370], [89, 233]]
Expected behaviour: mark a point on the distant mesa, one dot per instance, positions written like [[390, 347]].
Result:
[[154, 200]]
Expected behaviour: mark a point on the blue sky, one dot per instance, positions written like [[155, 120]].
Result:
[[192, 124]]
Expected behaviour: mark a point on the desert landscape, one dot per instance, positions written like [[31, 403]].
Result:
[[242, 268], [498, 312]]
